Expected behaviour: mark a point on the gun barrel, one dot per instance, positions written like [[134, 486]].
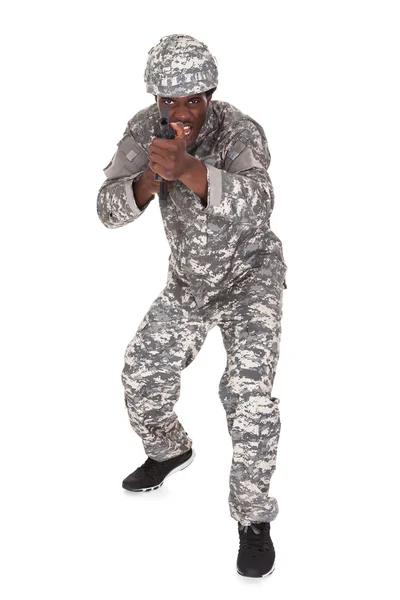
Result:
[[164, 127]]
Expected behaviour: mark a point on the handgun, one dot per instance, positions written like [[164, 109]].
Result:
[[163, 130]]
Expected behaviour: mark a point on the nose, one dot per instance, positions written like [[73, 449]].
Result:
[[182, 114]]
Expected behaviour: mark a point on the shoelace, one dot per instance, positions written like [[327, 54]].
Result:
[[256, 540]]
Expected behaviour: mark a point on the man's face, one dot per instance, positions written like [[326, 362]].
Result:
[[191, 110]]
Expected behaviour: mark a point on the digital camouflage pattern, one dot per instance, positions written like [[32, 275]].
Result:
[[179, 66], [215, 243], [226, 268], [168, 339]]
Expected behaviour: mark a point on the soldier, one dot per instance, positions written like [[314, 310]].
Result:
[[226, 269]]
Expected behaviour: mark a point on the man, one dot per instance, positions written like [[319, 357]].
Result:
[[226, 269]]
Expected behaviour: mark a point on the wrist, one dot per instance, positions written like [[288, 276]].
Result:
[[194, 176], [141, 192], [188, 165]]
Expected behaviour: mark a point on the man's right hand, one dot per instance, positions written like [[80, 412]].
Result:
[[146, 187], [152, 185]]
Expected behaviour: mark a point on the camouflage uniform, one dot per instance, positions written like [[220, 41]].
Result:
[[226, 268]]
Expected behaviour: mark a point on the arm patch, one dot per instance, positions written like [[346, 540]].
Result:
[[129, 159], [241, 158]]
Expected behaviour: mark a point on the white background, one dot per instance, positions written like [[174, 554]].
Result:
[[322, 80]]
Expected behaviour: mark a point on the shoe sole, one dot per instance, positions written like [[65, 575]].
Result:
[[155, 487], [254, 577]]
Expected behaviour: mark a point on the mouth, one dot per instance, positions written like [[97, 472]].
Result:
[[188, 130]]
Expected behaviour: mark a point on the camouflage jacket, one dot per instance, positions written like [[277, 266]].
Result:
[[215, 242]]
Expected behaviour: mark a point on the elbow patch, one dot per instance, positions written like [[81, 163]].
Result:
[[241, 158], [129, 159]]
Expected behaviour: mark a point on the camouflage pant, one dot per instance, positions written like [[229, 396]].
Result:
[[167, 341]]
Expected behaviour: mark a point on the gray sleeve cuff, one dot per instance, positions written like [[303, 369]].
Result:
[[214, 186]]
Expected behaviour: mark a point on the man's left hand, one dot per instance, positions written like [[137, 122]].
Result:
[[168, 158]]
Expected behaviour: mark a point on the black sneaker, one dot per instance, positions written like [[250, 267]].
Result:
[[256, 556], [152, 473]]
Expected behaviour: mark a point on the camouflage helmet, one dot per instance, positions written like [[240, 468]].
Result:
[[179, 66]]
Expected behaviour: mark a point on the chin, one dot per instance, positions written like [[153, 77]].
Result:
[[188, 145]]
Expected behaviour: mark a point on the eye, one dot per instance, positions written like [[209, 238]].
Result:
[[168, 101]]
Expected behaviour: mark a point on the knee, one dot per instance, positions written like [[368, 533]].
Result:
[[130, 375]]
